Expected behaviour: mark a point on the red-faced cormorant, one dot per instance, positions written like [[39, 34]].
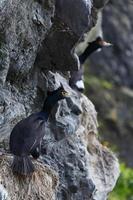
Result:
[[76, 80], [26, 136]]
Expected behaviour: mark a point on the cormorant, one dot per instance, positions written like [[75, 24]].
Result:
[[92, 47], [26, 136], [76, 80]]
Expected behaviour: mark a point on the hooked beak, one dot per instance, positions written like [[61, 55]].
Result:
[[106, 44], [67, 94]]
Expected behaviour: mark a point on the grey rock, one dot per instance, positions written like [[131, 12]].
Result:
[[70, 22], [36, 38], [49, 57], [4, 63], [100, 4], [19, 40], [3, 193], [75, 14], [72, 156]]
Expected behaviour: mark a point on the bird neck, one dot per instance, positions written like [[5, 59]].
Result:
[[49, 103], [88, 51]]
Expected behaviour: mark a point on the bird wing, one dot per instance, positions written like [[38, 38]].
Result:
[[30, 144], [27, 135]]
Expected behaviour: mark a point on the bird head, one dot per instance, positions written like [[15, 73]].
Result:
[[58, 94], [101, 43]]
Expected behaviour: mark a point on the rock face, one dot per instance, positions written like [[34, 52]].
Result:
[[22, 28], [70, 22], [71, 147], [75, 15], [34, 39], [99, 4], [112, 71]]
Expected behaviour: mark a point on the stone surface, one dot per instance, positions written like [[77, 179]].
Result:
[[36, 38], [83, 164], [70, 22], [23, 26], [3, 193], [100, 4], [75, 14]]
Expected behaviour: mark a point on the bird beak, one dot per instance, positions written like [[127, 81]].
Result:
[[106, 44], [66, 94]]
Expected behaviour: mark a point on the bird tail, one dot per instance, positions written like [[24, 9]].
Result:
[[22, 165]]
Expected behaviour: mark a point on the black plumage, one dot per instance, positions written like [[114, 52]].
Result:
[[92, 47], [76, 81], [26, 136]]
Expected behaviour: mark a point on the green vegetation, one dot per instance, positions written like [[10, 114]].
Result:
[[102, 83], [124, 187], [96, 81]]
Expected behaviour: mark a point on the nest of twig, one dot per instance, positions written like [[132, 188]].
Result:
[[41, 185]]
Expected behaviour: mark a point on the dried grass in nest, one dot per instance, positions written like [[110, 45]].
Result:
[[41, 185]]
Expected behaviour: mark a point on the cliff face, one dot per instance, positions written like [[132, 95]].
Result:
[[35, 37], [112, 71]]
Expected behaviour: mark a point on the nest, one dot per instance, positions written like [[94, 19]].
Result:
[[41, 185]]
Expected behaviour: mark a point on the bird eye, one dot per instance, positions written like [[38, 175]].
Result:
[[64, 93]]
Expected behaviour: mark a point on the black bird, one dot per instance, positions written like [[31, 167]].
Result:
[[76, 80], [26, 136], [92, 47]]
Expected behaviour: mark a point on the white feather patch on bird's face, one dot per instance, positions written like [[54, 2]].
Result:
[[80, 84]]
